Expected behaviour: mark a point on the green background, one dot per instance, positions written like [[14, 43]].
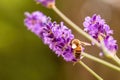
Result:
[[23, 56]]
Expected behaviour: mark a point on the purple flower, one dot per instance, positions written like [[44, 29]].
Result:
[[56, 36], [110, 43], [34, 21], [95, 26], [46, 3]]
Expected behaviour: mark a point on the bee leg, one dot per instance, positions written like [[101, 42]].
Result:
[[74, 63]]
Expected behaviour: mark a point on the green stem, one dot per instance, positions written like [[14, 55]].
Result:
[[90, 70], [116, 59], [77, 28], [101, 61]]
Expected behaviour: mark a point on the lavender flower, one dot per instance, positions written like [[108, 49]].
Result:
[[110, 43], [34, 20], [56, 36], [96, 27], [46, 3]]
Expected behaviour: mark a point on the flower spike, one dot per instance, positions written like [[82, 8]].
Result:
[[97, 27], [46, 3], [56, 36]]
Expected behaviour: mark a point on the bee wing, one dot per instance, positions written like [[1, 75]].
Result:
[[85, 44]]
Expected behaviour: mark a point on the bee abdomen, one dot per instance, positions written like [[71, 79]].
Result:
[[77, 55]]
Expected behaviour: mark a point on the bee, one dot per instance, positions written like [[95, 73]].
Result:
[[77, 47]]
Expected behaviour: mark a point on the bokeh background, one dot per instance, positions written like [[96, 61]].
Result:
[[23, 56]]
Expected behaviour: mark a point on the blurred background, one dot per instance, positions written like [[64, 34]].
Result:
[[23, 56]]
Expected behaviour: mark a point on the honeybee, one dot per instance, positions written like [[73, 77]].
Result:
[[77, 47]]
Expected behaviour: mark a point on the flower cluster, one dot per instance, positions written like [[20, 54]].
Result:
[[46, 3], [96, 27], [57, 36]]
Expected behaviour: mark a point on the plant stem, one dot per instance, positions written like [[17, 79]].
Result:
[[90, 70], [116, 59], [101, 61], [77, 28]]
